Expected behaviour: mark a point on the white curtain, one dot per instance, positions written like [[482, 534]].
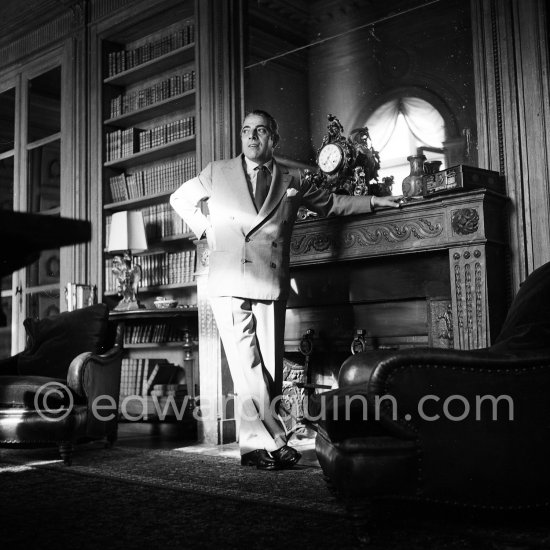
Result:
[[422, 118]]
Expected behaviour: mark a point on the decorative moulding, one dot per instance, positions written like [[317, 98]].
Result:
[[39, 38], [465, 221], [352, 241]]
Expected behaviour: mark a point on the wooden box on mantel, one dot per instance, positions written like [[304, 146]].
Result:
[[461, 177]]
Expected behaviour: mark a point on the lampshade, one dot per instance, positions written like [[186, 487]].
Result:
[[127, 232]]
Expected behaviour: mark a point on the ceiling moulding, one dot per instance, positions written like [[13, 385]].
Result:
[[101, 8], [38, 38], [21, 16]]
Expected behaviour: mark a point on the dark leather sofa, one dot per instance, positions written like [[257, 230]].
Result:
[[465, 428]]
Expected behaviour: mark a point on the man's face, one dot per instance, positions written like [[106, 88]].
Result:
[[256, 139]]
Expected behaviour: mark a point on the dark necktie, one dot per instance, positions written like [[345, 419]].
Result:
[[262, 186]]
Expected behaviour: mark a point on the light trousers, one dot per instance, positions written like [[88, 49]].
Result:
[[252, 334]]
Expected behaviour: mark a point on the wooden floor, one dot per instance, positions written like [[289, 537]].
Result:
[[173, 435]]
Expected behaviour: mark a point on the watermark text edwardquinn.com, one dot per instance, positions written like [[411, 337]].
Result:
[[429, 408]]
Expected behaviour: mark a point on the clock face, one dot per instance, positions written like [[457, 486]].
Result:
[[330, 158]]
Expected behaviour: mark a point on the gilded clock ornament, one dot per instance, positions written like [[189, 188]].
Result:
[[347, 165]]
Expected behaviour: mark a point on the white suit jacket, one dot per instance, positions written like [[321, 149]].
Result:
[[249, 250]]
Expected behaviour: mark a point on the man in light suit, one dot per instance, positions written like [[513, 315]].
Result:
[[253, 203]]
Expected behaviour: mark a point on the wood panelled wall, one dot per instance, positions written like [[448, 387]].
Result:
[[513, 111]]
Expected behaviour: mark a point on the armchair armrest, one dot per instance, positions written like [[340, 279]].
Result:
[[96, 379], [363, 405], [350, 413], [87, 367]]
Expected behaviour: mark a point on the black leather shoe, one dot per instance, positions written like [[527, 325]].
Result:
[[286, 456], [260, 459]]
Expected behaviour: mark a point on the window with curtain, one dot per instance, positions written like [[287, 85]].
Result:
[[403, 127]]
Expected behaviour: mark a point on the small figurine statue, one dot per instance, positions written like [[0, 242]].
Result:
[[335, 130], [128, 277], [367, 156]]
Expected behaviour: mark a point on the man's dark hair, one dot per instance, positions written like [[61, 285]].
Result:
[[273, 127]]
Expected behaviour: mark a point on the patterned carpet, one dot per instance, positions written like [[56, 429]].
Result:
[[142, 498]]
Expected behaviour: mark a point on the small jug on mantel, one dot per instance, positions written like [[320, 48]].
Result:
[[432, 166], [412, 184]]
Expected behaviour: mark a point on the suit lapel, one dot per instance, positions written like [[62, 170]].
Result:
[[279, 184]]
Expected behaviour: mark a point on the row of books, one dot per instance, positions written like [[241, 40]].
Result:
[[167, 268], [161, 221], [126, 59], [153, 332], [172, 131], [124, 143], [165, 89], [139, 375], [160, 178]]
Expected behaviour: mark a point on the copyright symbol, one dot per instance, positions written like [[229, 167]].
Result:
[[53, 393]]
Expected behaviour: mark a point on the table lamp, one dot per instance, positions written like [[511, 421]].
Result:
[[126, 237]]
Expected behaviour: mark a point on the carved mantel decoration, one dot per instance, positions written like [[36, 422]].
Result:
[[465, 221], [368, 234], [466, 226]]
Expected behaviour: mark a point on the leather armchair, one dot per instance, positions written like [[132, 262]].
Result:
[[469, 428], [64, 387]]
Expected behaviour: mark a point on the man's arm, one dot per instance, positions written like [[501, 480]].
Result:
[[186, 202], [325, 203]]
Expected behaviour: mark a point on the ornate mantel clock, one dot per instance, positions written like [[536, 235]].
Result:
[[348, 165]]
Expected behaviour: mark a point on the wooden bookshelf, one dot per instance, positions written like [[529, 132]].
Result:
[[148, 123]]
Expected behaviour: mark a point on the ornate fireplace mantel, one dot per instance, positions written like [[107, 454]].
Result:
[[468, 226]]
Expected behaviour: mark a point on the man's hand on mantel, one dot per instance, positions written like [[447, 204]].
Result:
[[389, 201]]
